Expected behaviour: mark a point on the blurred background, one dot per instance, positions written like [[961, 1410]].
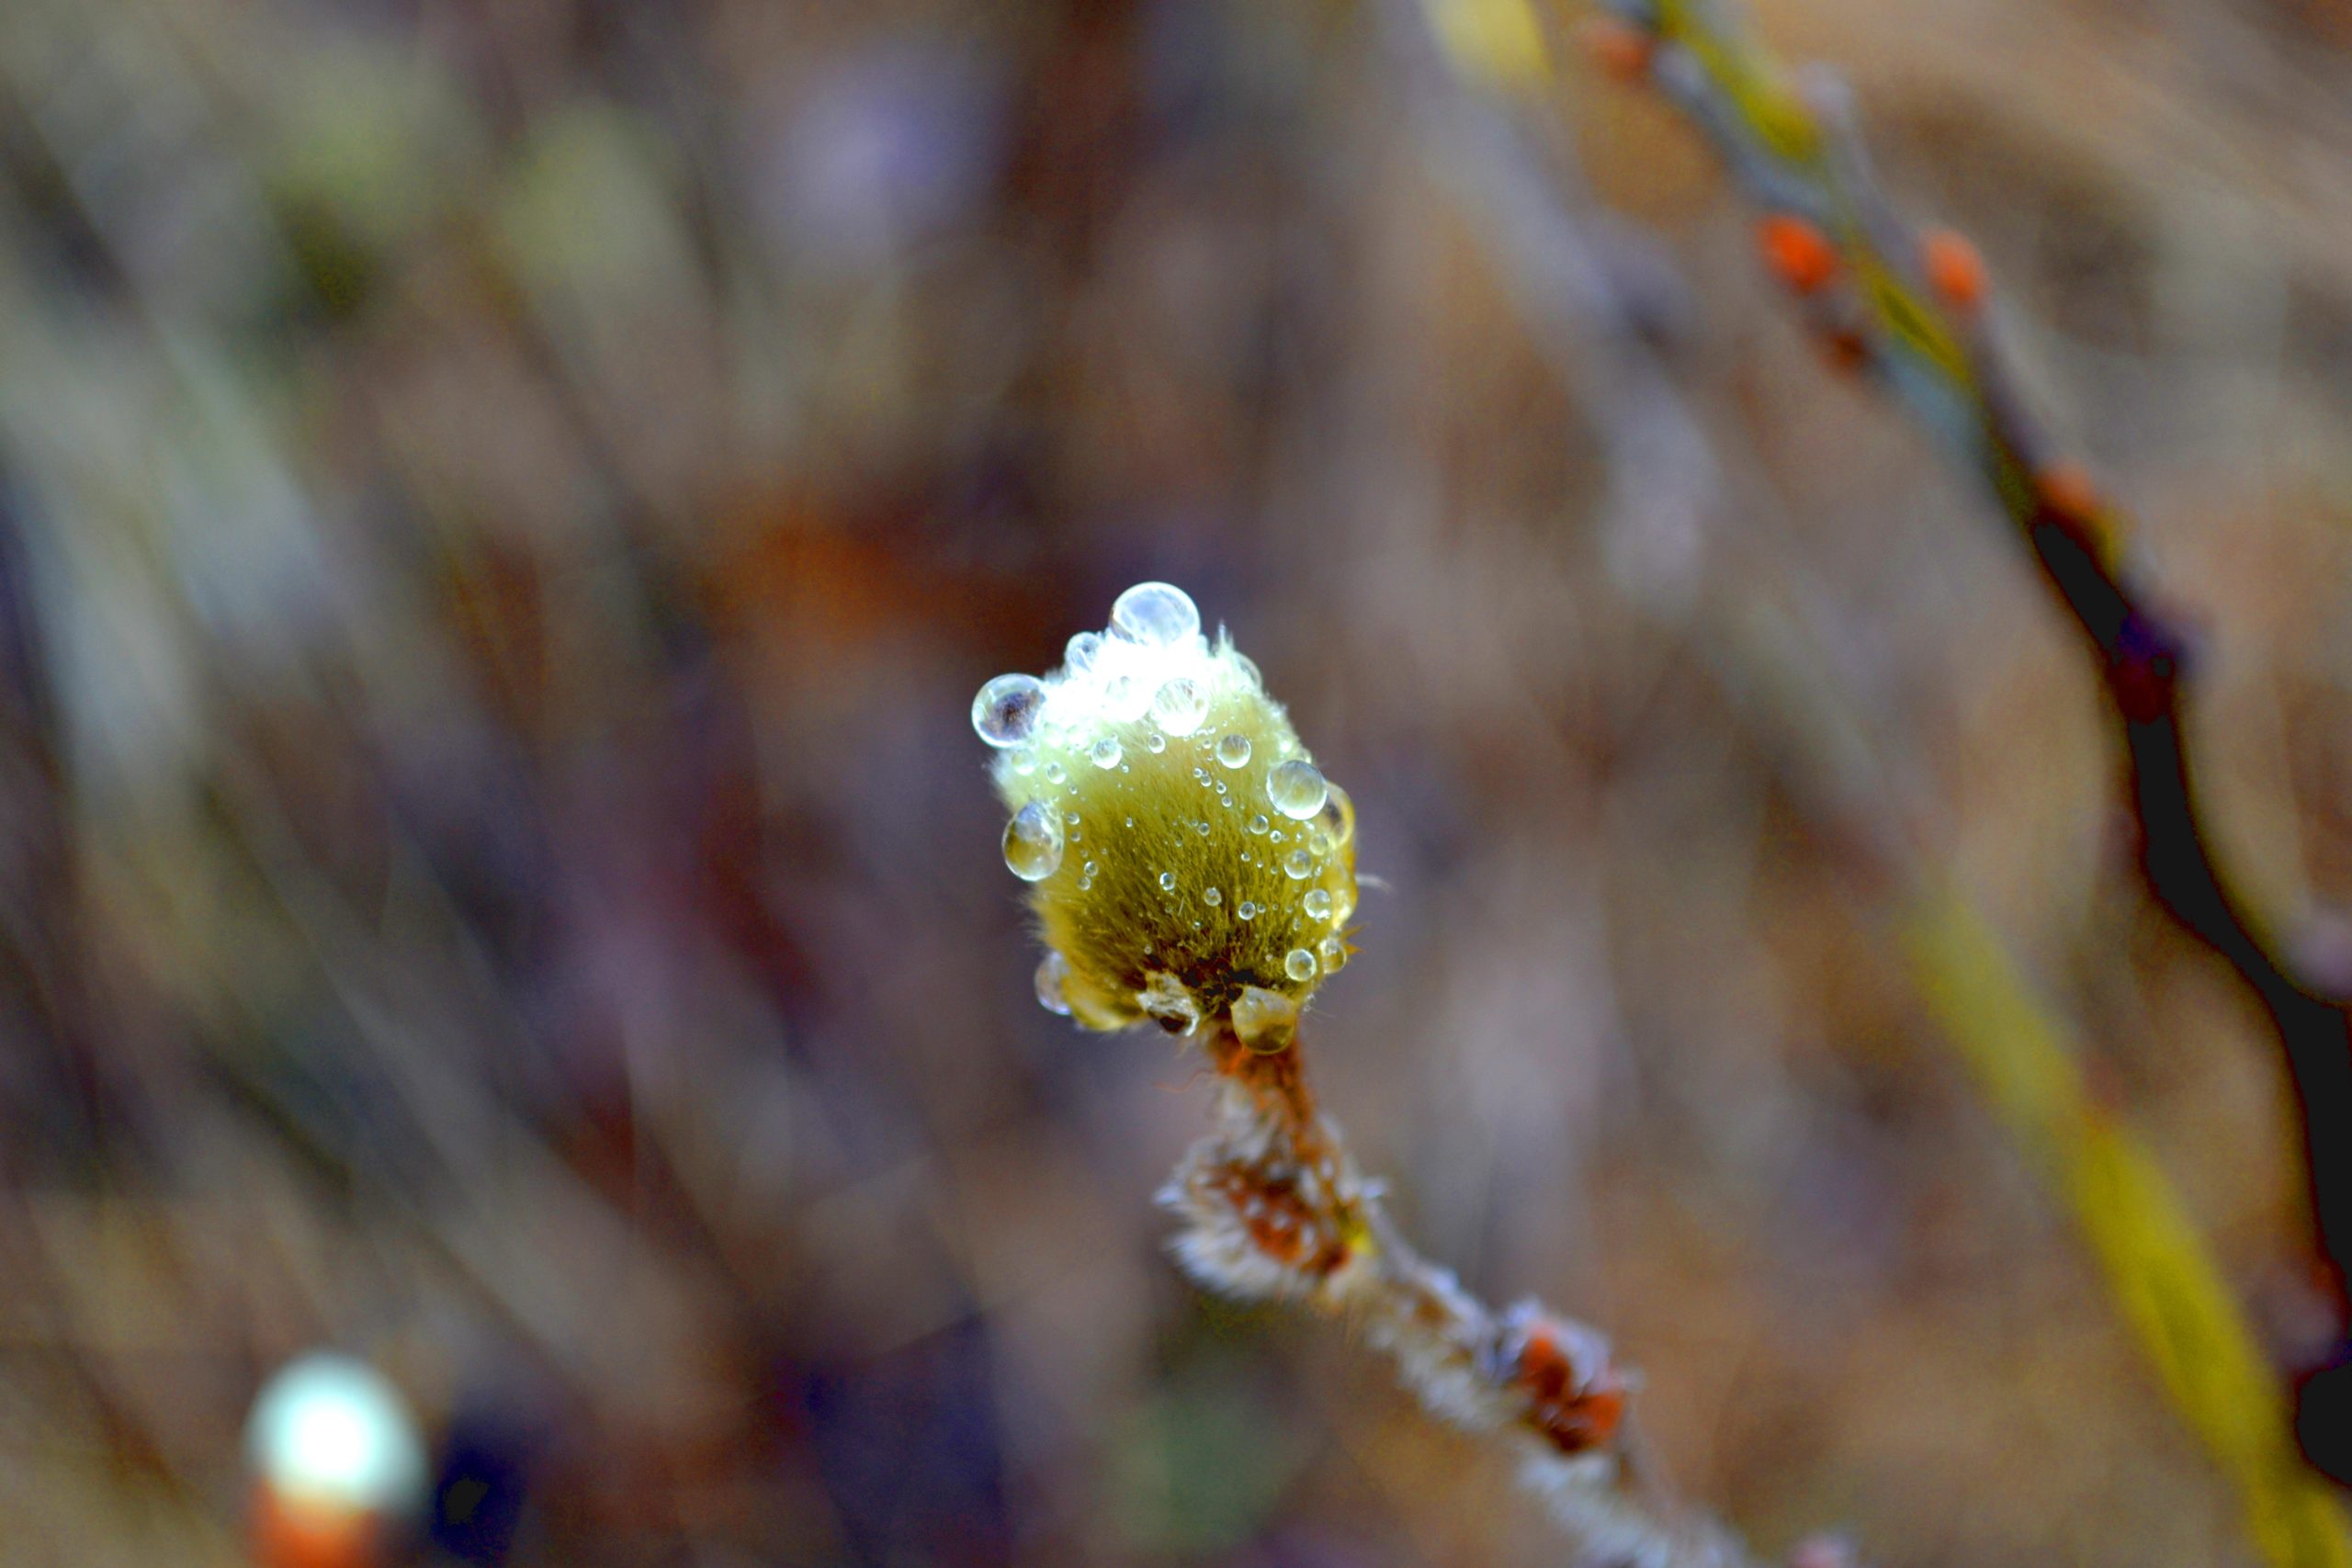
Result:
[[504, 505]]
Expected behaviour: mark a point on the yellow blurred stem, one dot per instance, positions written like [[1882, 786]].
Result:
[[1499, 42], [2166, 1282]]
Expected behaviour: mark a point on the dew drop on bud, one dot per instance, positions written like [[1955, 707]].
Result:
[[1033, 843], [1168, 882], [1106, 753], [1299, 965], [1337, 818], [1006, 711], [1053, 972], [1056, 773], [1211, 897], [1125, 699], [1318, 903], [1156, 614], [1245, 909], [1234, 751], [1297, 790], [1258, 824], [1180, 707], [1155, 743], [1335, 954], [1297, 863], [1080, 654]]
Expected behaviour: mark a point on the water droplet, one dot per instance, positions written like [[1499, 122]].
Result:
[[1155, 743], [1299, 963], [1073, 820], [1245, 909], [1259, 824], [1249, 668], [1202, 827], [1056, 773], [1338, 816], [1053, 970], [1234, 751], [1025, 761], [1155, 615], [1297, 864], [1318, 903], [1335, 954], [1078, 656], [1006, 711], [1106, 753], [1089, 868], [1265, 1020], [1220, 787], [1125, 699], [1277, 835], [1168, 882], [1211, 897], [1180, 707], [1033, 843], [1297, 790]]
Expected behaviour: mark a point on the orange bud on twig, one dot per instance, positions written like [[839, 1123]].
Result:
[[1621, 50], [1955, 269], [1797, 252]]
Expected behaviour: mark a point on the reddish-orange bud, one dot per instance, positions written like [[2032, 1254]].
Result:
[[2067, 490], [1621, 50], [1797, 252], [1577, 1408], [1955, 268]]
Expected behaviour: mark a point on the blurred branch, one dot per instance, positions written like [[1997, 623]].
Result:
[[1910, 309]]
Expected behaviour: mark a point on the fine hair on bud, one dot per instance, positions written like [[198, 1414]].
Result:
[[1186, 861]]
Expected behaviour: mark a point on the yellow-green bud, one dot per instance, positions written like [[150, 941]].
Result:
[[1184, 852]]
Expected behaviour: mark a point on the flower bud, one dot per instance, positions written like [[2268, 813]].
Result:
[[1181, 850]]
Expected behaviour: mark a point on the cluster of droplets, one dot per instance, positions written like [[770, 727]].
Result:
[[1149, 684]]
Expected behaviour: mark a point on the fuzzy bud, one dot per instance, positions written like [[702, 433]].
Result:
[[1183, 853]]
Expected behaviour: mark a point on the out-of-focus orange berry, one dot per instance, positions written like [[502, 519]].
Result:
[[290, 1532], [2067, 489], [1621, 50], [1955, 268], [1797, 252]]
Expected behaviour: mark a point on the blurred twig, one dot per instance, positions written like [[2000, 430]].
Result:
[[1917, 319]]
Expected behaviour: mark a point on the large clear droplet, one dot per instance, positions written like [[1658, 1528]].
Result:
[[1211, 897], [1126, 699], [1180, 706], [1155, 743], [1078, 655], [1297, 790], [1106, 753], [1006, 711], [1337, 818], [1318, 903], [1156, 614], [1032, 842], [1299, 963], [1056, 773], [1233, 750], [1335, 955], [1053, 975], [1168, 882], [1246, 910], [1258, 824], [1297, 864]]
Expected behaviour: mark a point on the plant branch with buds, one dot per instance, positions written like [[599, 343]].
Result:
[[1189, 865]]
